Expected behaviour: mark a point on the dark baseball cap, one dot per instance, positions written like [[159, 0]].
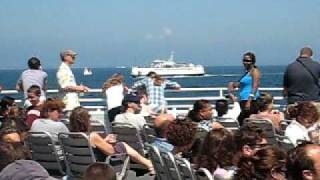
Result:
[[25, 170], [131, 98]]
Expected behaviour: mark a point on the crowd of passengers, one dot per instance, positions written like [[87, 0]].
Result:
[[244, 153]]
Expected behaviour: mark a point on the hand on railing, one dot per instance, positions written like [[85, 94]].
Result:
[[83, 88]]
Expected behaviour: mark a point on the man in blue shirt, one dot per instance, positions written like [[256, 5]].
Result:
[[161, 124]]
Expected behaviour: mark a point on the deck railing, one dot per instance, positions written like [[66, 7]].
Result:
[[177, 99]]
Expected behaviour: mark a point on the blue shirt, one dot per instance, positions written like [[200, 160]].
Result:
[[246, 87], [163, 145]]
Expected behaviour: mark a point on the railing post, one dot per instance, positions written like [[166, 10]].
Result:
[[221, 93]]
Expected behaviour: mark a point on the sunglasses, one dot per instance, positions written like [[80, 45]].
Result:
[[73, 56], [246, 60], [259, 146]]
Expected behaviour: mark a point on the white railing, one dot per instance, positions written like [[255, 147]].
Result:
[[175, 102]]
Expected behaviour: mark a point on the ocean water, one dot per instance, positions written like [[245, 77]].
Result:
[[215, 77]]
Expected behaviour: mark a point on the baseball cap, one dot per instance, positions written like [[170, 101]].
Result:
[[25, 170], [67, 52], [131, 98]]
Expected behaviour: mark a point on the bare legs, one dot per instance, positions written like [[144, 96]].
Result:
[[135, 156]]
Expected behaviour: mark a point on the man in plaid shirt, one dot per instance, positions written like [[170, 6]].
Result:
[[155, 87]]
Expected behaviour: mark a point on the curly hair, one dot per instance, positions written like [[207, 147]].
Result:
[[304, 112], [261, 164], [217, 150], [51, 105], [181, 132], [80, 120]]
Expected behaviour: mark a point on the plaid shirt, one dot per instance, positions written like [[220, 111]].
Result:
[[156, 93]]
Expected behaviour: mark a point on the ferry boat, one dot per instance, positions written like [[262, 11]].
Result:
[[87, 71], [169, 68]]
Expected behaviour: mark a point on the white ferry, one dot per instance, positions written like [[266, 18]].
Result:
[[169, 68]]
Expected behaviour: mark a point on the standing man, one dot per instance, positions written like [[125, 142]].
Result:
[[155, 87], [33, 76], [68, 87], [301, 78]]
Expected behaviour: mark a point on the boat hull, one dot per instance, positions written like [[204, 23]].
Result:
[[189, 71]]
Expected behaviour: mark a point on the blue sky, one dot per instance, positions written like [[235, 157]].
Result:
[[134, 32]]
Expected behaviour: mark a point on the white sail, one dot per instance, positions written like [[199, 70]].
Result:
[[87, 72]]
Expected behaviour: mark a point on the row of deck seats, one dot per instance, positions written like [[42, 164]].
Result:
[[73, 153]]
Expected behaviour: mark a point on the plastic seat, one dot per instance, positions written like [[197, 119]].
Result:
[[161, 171], [185, 169], [46, 152], [170, 164]]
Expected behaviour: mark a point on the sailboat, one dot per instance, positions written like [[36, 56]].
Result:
[[87, 71]]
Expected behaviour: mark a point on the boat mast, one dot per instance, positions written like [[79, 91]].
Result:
[[171, 56]]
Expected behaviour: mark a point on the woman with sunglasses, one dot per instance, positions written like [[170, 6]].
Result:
[[248, 86]]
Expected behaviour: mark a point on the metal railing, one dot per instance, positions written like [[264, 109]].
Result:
[[177, 99]]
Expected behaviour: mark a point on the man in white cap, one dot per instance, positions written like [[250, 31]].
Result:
[[68, 87]]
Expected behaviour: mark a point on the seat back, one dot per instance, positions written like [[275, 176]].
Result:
[[203, 174], [129, 134], [149, 133], [284, 142], [46, 152], [266, 125], [156, 159], [283, 126], [120, 163], [77, 151], [229, 124], [97, 126], [185, 169], [170, 164]]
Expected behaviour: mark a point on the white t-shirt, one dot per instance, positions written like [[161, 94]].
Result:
[[232, 113], [136, 120], [114, 96], [296, 131]]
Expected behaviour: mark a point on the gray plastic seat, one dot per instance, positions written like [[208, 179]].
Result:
[[78, 153], [203, 174], [46, 152], [229, 124], [266, 125], [284, 142], [170, 164], [160, 168], [149, 133], [185, 169], [129, 134]]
